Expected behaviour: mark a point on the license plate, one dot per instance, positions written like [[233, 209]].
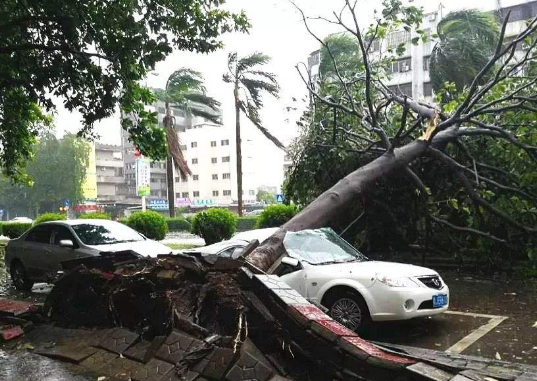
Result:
[[439, 300]]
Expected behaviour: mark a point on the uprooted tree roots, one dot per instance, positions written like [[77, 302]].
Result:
[[149, 297]]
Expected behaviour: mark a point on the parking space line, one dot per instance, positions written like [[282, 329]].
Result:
[[476, 334]]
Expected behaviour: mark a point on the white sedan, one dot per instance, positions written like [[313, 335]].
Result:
[[325, 269]]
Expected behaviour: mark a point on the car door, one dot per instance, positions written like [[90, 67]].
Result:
[[35, 250], [58, 253], [295, 277]]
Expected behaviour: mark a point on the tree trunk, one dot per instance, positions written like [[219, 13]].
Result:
[[239, 149], [169, 167], [335, 201]]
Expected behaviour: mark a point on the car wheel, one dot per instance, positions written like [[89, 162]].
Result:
[[350, 310], [19, 278]]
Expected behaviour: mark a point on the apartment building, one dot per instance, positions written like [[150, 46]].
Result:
[[109, 174], [210, 151], [410, 72]]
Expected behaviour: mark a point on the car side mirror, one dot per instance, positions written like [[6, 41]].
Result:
[[293, 262], [67, 243]]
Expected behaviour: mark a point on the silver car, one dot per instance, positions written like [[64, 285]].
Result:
[[36, 255]]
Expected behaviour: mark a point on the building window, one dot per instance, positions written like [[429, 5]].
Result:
[[184, 194], [153, 180], [427, 89], [397, 38], [194, 161], [215, 177], [426, 63], [193, 144], [225, 142], [154, 193], [213, 143], [177, 179], [225, 159], [196, 193], [213, 160], [195, 177], [401, 66], [163, 181], [183, 147], [227, 193], [178, 195], [215, 193], [226, 176], [252, 192], [402, 89]]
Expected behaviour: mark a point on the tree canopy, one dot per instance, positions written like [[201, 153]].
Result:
[[92, 55], [57, 170], [466, 41]]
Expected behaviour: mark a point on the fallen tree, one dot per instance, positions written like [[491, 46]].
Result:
[[503, 93]]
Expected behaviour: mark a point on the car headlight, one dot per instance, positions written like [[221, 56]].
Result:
[[396, 282]]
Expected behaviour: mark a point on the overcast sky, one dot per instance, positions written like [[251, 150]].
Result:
[[277, 30]]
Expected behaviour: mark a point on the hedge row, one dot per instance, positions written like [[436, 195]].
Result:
[[14, 229], [151, 224], [246, 223], [178, 224]]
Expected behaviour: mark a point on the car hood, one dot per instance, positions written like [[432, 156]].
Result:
[[371, 268], [145, 248]]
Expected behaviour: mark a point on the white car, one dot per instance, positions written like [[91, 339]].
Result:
[[25, 220], [325, 269]]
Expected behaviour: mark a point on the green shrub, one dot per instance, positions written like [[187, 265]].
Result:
[[246, 223], [178, 224], [1, 229], [95, 216], [123, 220], [15, 229], [49, 217], [214, 225], [151, 224], [276, 215]]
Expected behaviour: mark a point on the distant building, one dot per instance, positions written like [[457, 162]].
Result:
[[109, 173]]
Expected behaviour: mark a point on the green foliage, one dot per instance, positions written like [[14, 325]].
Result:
[[151, 224], [15, 229], [246, 223], [214, 225], [344, 51], [467, 40], [178, 224], [276, 215], [57, 172], [49, 217], [93, 55], [266, 197], [94, 216]]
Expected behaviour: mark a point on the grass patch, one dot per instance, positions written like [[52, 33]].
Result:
[[181, 246]]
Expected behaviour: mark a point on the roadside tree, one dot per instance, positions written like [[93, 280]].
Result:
[[249, 83], [92, 55], [403, 138], [184, 91]]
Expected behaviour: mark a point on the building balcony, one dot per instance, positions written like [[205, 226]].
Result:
[[109, 163], [111, 179]]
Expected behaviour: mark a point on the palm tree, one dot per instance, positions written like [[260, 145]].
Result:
[[185, 91], [467, 40], [249, 83]]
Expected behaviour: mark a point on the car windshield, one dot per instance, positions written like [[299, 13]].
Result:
[[320, 246], [91, 234]]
